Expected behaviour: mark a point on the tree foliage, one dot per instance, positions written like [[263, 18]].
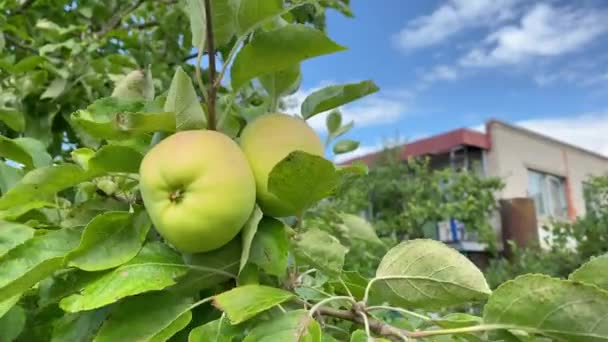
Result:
[[80, 259]]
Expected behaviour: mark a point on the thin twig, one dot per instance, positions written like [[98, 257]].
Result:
[[18, 44], [375, 325], [117, 19], [403, 311], [212, 91]]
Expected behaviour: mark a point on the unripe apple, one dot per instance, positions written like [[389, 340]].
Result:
[[198, 189], [266, 141]]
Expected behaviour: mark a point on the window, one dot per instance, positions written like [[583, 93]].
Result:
[[549, 194]]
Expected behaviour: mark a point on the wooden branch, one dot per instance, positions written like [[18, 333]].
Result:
[[115, 21], [375, 325]]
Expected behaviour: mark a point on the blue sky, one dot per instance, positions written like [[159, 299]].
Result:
[[446, 64]]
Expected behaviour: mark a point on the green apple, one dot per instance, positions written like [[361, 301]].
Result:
[[198, 189], [266, 141]]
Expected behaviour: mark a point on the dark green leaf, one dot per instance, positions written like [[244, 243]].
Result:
[[282, 82], [182, 101], [243, 302], [7, 304], [13, 119], [252, 12], [248, 233], [12, 235], [428, 274], [224, 20], [358, 336], [27, 64], [277, 50], [270, 247], [110, 240], [345, 146], [12, 324], [154, 268], [560, 309], [63, 284], [301, 179], [293, 326], [145, 318], [36, 259], [334, 96], [80, 326], [595, 272], [333, 121], [320, 250], [27, 151]]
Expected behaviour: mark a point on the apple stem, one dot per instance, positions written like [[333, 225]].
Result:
[[212, 89]]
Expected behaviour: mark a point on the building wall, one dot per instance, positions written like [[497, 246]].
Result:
[[514, 150]]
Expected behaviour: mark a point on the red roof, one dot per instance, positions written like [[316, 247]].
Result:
[[436, 144]]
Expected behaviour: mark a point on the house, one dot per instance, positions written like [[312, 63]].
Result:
[[547, 174]]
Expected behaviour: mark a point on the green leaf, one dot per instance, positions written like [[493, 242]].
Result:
[[355, 282], [357, 228], [333, 121], [28, 63], [301, 179], [428, 274], [7, 304], [595, 272], [345, 146], [277, 50], [182, 101], [63, 284], [270, 247], [154, 268], [252, 12], [335, 96], [13, 119], [137, 84], [218, 330], [176, 326], [293, 326], [114, 158], [196, 12], [123, 118], [54, 89], [36, 259], [80, 326], [110, 240], [211, 268], [224, 20], [243, 302], [27, 151], [560, 309], [248, 233], [9, 176], [12, 324], [12, 235], [457, 320], [359, 336], [320, 250], [342, 130], [128, 323], [282, 82]]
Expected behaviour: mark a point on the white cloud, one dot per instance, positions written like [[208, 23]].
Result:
[[585, 130], [451, 18], [376, 109], [441, 73], [545, 30]]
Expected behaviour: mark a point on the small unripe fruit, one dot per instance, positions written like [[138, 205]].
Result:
[[268, 140], [198, 189]]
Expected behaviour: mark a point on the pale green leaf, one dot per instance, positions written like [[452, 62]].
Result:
[[27, 151], [244, 302], [270, 247], [218, 330], [223, 20], [7, 304], [342, 129], [81, 326], [428, 274], [148, 317], [13, 119], [12, 324], [114, 158], [277, 50], [560, 309], [196, 12], [457, 320], [28, 63], [301, 179], [355, 283], [335, 96], [345, 146], [248, 233], [357, 228], [177, 325], [34, 260], [9, 176], [293, 326], [252, 12], [137, 84], [54, 89], [358, 336], [154, 268], [333, 121], [12, 235], [283, 82], [595, 272], [182, 101], [320, 250], [110, 240]]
